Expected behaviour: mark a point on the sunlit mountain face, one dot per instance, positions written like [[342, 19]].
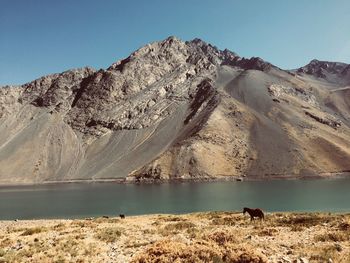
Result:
[[176, 109]]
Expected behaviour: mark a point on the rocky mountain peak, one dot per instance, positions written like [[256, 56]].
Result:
[[132, 92], [336, 72]]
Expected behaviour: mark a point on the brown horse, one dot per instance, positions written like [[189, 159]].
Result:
[[254, 213]]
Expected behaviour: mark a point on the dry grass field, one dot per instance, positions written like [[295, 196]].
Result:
[[200, 237]]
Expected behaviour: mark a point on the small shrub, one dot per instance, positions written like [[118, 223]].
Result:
[[106, 219], [25, 253], [333, 237], [148, 231], [216, 215], [297, 228], [179, 226], [324, 253], [14, 230], [32, 231], [100, 220], [114, 220], [344, 226], [137, 245], [90, 249], [306, 220], [11, 256], [267, 232], [221, 237], [109, 234], [174, 228], [156, 223], [172, 219], [80, 223], [69, 246], [60, 260], [193, 232], [5, 242], [226, 221], [59, 226]]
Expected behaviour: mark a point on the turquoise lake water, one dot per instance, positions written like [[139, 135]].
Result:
[[78, 200]]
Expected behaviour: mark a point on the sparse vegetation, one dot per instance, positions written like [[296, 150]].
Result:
[[344, 226], [324, 253], [173, 228], [267, 232], [32, 231], [305, 220], [227, 221], [59, 226], [179, 226], [170, 251], [221, 237], [217, 237], [333, 237], [171, 218], [297, 228], [109, 234]]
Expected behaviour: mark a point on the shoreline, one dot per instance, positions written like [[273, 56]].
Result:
[[136, 216], [128, 180]]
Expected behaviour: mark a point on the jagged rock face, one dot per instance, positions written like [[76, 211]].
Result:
[[175, 109], [55, 91], [9, 96], [141, 90], [331, 71]]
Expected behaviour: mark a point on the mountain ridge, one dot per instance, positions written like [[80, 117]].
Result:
[[167, 109], [230, 58], [232, 55]]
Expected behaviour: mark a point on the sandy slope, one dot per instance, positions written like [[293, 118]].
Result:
[[262, 128]]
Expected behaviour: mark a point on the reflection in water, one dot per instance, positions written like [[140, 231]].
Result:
[[95, 199]]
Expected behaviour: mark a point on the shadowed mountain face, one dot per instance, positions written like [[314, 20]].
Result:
[[176, 109]]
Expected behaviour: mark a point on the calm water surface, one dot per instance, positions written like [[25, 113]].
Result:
[[96, 199]]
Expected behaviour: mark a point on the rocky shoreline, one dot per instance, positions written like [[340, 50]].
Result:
[[197, 237], [324, 176]]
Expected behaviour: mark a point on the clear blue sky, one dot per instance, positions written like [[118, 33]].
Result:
[[39, 37]]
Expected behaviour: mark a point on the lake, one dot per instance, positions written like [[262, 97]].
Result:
[[78, 200]]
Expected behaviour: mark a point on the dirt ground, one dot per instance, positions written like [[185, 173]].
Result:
[[199, 237]]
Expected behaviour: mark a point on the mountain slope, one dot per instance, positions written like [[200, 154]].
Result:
[[176, 109]]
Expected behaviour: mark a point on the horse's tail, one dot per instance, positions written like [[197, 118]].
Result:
[[262, 216]]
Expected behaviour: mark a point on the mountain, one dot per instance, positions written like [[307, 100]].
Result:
[[175, 109], [335, 72]]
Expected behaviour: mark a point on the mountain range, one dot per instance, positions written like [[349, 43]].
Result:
[[177, 110]]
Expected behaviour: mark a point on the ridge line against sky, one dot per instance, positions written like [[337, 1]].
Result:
[[44, 37]]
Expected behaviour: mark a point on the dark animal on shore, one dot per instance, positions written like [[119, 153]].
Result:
[[105, 217], [254, 213], [122, 216]]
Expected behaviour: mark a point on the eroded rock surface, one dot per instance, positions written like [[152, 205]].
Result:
[[175, 109]]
